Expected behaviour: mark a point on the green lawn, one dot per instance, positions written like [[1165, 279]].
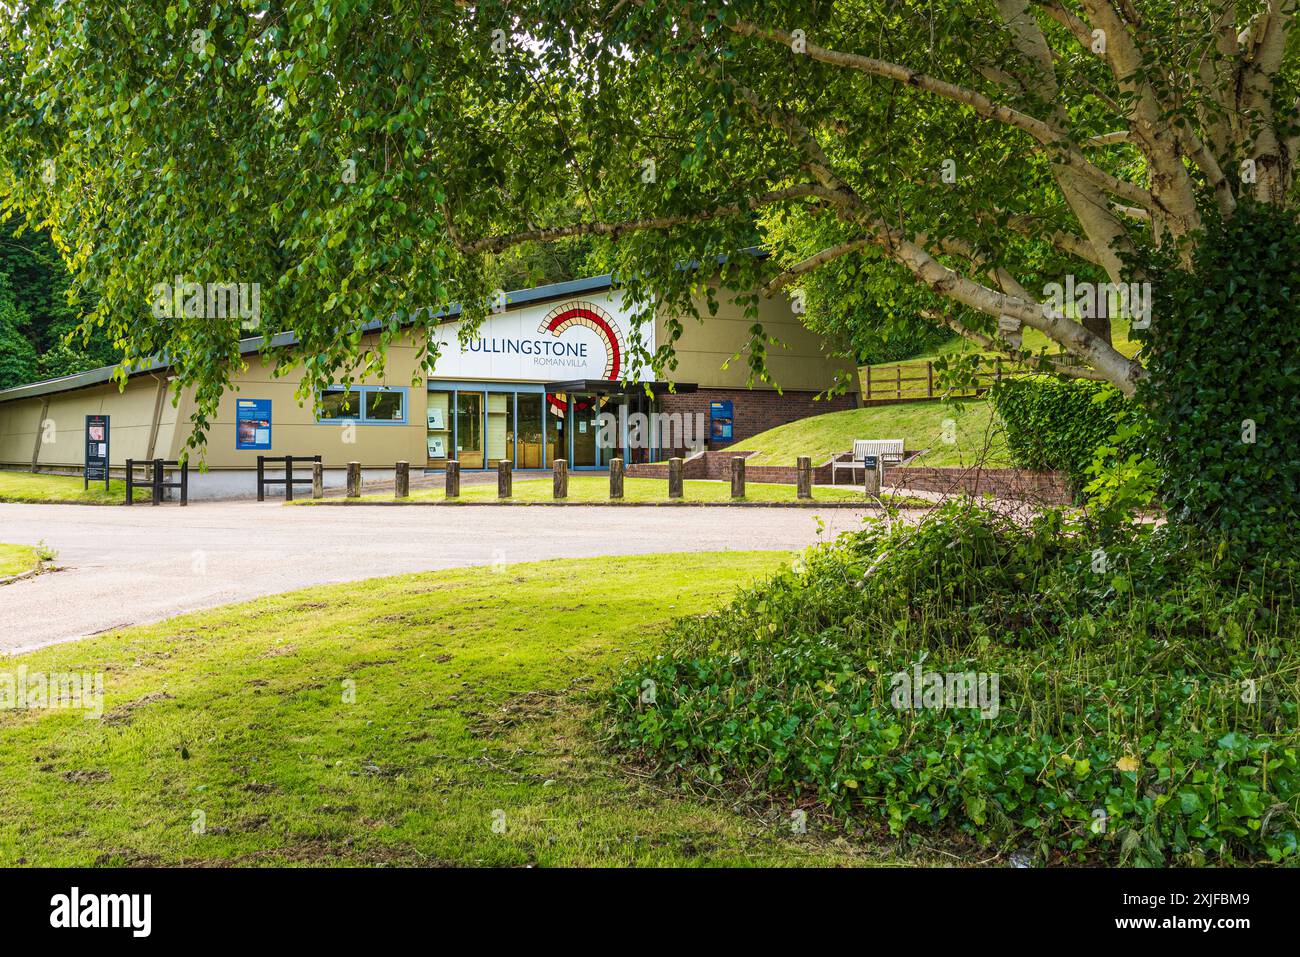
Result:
[[1032, 340], [919, 424], [595, 488], [18, 559], [471, 706], [37, 487]]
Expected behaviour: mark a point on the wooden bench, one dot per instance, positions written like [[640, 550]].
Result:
[[889, 451]]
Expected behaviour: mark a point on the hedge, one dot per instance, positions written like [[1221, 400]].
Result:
[[1055, 424]]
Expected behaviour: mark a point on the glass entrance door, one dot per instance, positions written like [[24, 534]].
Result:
[[532, 438], [585, 415], [500, 428], [469, 429]]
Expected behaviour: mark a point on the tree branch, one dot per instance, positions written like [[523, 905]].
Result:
[[811, 263], [1040, 363], [495, 244], [1047, 135]]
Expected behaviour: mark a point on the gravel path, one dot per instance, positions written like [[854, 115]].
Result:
[[124, 566]]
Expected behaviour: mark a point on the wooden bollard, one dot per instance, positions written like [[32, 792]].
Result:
[[675, 478], [737, 476], [505, 479], [317, 480], [560, 489], [453, 479], [354, 480], [803, 477], [402, 480], [615, 479], [871, 479]]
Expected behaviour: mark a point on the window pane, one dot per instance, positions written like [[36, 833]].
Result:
[[500, 428], [469, 429], [384, 406], [438, 436], [531, 455], [337, 404]]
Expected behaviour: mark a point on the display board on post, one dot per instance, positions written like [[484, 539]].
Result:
[[97, 440], [722, 418]]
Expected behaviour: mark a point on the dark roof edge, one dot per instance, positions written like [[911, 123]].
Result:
[[515, 299]]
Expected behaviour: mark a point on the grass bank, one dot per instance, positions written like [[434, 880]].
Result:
[[974, 434], [394, 721], [595, 489], [41, 488], [19, 559]]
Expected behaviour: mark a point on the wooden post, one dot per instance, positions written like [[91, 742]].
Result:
[[261, 475], [130, 481], [929, 379], [288, 478], [737, 476], [898, 372], [675, 477], [803, 466], [317, 479], [453, 478], [354, 480], [868, 383], [505, 479], [560, 486], [157, 482], [402, 480], [871, 475], [615, 479], [185, 482]]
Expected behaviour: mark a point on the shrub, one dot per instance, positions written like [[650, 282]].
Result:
[[1145, 714], [1055, 424], [1224, 387]]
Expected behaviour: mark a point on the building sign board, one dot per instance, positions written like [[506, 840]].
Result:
[[587, 337], [97, 441], [253, 424], [722, 418]]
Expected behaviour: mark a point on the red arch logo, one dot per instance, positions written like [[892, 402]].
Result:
[[564, 317]]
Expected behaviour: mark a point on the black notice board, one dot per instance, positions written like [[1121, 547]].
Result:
[[97, 439]]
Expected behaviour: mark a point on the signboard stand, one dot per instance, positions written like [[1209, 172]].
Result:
[[253, 425], [97, 441], [722, 417]]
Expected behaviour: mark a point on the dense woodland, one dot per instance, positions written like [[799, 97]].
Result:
[[37, 318]]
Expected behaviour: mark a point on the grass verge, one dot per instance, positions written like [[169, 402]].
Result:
[[595, 489], [45, 489], [471, 698], [18, 559], [975, 431]]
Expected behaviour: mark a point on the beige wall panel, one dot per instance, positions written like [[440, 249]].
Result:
[[294, 428], [19, 424], [130, 418], [805, 364]]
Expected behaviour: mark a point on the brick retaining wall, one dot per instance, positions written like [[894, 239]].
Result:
[[755, 410], [1043, 488]]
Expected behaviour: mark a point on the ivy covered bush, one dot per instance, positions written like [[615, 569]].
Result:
[[1054, 424], [1224, 388], [1144, 712]]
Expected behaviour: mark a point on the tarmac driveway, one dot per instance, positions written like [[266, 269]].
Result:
[[125, 566]]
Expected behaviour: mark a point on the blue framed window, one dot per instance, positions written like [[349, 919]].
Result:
[[363, 404]]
